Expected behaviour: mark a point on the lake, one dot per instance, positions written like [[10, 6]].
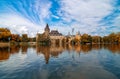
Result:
[[60, 62]]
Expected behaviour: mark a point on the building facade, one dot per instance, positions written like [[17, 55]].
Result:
[[54, 36], [57, 38]]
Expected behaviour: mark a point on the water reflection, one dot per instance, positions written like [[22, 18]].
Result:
[[54, 50], [113, 48], [45, 50], [24, 49], [14, 49], [86, 48], [4, 53], [60, 62]]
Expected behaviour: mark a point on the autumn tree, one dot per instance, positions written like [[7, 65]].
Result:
[[42, 39], [4, 34], [85, 38], [117, 37], [96, 39], [25, 38], [105, 40], [15, 38], [32, 39], [111, 38]]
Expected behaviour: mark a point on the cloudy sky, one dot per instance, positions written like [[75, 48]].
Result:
[[95, 17]]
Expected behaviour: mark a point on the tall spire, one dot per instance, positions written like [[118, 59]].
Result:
[[47, 28], [47, 25]]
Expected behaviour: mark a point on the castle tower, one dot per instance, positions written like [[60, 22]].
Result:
[[47, 30]]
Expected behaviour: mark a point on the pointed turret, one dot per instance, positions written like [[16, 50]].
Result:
[[47, 29]]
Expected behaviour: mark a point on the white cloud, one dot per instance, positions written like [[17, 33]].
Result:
[[54, 16], [84, 15], [116, 24], [86, 8], [43, 9], [117, 21], [24, 23], [19, 25]]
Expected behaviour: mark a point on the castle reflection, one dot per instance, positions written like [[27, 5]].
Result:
[[54, 50], [45, 50]]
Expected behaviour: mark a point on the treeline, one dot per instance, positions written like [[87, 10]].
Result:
[[6, 36], [23, 38], [113, 38]]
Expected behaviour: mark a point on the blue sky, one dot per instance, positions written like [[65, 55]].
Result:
[[95, 17]]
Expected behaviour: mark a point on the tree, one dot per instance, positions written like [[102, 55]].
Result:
[[25, 38], [117, 38], [112, 37], [43, 39], [15, 38], [85, 38], [32, 39], [4, 34], [96, 39]]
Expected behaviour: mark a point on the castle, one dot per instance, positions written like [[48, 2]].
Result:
[[55, 37]]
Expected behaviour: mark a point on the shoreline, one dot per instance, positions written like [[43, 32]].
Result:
[[4, 44], [8, 44]]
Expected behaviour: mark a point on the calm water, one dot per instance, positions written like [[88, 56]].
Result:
[[60, 62]]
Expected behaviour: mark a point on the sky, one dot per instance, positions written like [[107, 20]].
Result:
[[95, 17]]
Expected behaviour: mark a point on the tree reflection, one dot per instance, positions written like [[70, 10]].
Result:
[[56, 50], [86, 48], [4, 53], [77, 48], [114, 48], [24, 49], [14, 49], [97, 46]]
